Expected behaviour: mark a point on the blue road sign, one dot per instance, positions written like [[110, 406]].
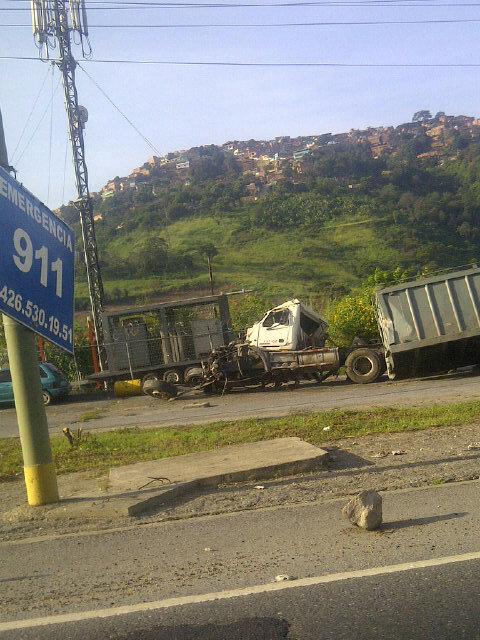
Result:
[[37, 252]]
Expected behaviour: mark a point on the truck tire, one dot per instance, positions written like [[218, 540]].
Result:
[[194, 376], [363, 366], [173, 376], [156, 388]]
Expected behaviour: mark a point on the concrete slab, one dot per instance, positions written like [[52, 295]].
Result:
[[135, 489], [252, 461], [182, 475]]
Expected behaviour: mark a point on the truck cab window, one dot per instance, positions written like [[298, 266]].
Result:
[[277, 318]]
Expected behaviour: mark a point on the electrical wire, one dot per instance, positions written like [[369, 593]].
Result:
[[198, 63], [234, 5], [352, 3], [274, 25], [27, 121], [64, 169], [38, 124], [50, 141], [105, 95]]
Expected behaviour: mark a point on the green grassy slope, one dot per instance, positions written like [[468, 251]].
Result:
[[282, 263]]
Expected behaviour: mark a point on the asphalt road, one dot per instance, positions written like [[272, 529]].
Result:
[[418, 577], [435, 603], [103, 413]]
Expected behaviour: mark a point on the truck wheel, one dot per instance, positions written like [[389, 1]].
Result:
[[152, 386], [363, 366], [173, 376], [194, 376]]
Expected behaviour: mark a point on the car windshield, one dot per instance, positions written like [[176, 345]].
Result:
[[281, 317]]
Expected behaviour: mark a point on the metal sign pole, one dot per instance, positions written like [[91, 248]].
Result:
[[39, 470]]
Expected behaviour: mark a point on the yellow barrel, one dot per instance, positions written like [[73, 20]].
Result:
[[127, 388]]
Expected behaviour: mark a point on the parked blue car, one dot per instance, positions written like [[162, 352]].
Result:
[[54, 384]]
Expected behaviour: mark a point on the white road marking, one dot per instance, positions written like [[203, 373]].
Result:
[[233, 593]]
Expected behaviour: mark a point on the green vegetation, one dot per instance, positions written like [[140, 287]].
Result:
[[317, 233], [101, 451]]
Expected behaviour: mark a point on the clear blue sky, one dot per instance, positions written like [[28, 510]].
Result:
[[179, 107]]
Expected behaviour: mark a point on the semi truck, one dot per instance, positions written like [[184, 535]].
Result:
[[426, 326]]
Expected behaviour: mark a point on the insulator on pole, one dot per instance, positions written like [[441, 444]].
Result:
[[78, 17], [84, 18], [38, 22]]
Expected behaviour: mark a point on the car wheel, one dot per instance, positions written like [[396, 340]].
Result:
[[47, 397]]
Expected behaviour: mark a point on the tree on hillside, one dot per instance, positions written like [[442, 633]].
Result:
[[152, 255], [212, 163], [421, 116], [209, 251]]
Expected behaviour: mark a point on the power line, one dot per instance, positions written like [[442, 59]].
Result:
[[27, 121], [274, 25], [64, 169], [38, 124], [50, 140], [149, 142], [370, 3], [198, 63], [234, 5]]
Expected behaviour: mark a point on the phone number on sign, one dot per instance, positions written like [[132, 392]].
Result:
[[34, 313]]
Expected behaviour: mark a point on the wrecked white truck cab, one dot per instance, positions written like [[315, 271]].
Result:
[[286, 345], [290, 326]]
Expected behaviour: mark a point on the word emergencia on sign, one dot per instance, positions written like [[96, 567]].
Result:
[[37, 252]]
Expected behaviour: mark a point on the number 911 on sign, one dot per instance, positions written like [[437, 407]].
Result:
[[37, 252]]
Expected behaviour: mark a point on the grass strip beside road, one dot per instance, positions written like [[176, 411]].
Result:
[[100, 451]]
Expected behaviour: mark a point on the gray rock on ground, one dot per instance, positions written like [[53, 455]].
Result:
[[365, 510]]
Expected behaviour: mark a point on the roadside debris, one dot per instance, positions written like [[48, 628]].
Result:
[[474, 446], [259, 486], [365, 510], [195, 405], [159, 388], [384, 454], [326, 428], [282, 577]]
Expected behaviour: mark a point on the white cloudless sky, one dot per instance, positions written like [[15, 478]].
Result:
[[177, 107]]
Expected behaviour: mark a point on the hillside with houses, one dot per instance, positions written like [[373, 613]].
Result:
[[270, 161], [309, 215]]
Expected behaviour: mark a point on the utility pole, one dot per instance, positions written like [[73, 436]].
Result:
[[210, 275], [39, 470], [51, 21]]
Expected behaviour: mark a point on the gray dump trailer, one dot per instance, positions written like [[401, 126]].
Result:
[[431, 325]]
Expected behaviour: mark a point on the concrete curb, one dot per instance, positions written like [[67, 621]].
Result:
[[170, 493], [228, 465]]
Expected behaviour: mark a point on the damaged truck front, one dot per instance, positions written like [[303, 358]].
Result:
[[427, 326], [287, 344]]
